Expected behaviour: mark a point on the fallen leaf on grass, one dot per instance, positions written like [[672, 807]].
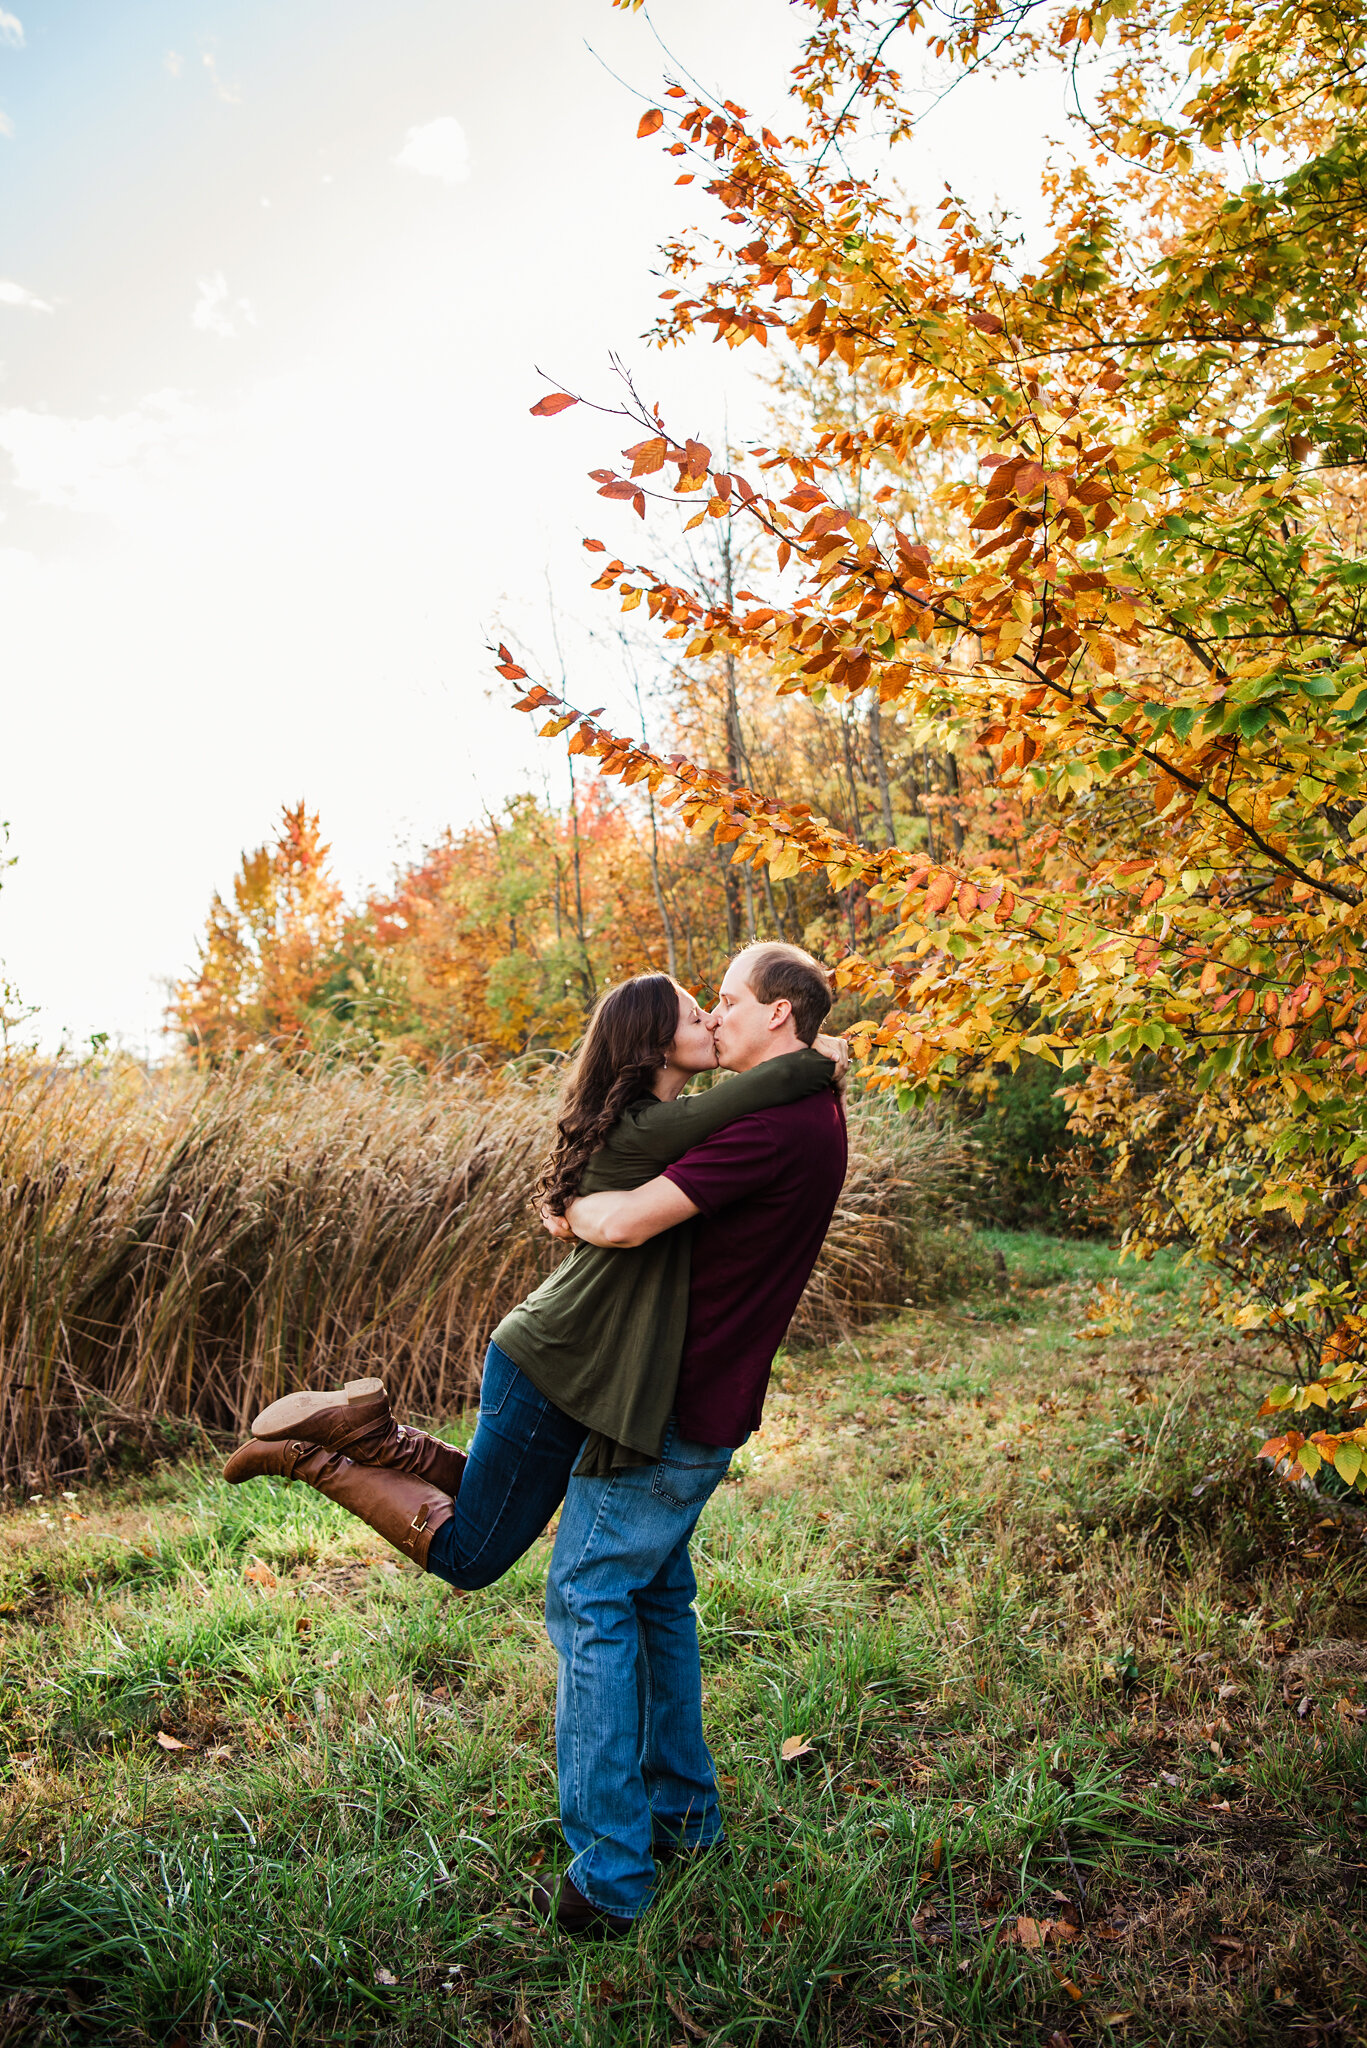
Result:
[[777, 1923], [1032, 1933], [170, 1741], [259, 1574], [677, 2007], [385, 1977], [794, 1746], [937, 1851]]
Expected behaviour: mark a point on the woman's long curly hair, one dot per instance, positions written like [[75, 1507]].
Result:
[[625, 1046]]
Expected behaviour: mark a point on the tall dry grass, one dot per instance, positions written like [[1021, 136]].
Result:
[[187, 1246]]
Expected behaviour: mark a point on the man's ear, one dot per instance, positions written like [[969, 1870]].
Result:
[[780, 1014]]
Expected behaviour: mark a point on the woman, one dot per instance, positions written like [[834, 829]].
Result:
[[589, 1362]]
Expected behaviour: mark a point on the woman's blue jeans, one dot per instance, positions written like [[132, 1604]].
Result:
[[635, 1771], [519, 1465]]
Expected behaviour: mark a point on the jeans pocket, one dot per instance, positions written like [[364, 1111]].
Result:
[[497, 1381], [689, 1472]]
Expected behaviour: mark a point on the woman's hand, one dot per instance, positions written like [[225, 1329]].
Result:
[[558, 1226], [837, 1050]]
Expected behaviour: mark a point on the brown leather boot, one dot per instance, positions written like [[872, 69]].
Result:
[[358, 1421], [406, 1511]]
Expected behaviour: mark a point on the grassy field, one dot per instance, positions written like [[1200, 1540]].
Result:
[[1082, 1697]]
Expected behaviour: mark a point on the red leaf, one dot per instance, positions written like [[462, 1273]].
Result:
[[553, 402], [510, 671], [939, 892], [649, 123], [595, 547]]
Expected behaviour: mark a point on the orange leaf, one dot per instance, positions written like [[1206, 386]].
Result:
[[939, 892], [554, 402], [649, 122], [1282, 1043], [169, 1741], [258, 1574]]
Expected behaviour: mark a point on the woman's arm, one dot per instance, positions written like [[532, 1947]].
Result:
[[664, 1131]]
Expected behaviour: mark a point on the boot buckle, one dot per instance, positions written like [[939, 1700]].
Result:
[[424, 1511]]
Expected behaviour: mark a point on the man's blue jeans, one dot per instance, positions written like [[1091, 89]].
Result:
[[635, 1772], [520, 1462]]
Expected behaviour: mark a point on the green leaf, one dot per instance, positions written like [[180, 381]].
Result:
[[1348, 1462]]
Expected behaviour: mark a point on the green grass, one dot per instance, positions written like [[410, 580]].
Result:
[[1059, 1651]]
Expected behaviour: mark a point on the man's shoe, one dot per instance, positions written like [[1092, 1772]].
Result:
[[573, 1915], [358, 1422], [407, 1512]]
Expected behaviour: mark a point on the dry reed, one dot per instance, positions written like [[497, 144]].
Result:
[[178, 1246]]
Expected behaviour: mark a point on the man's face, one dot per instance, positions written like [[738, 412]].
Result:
[[746, 1027]]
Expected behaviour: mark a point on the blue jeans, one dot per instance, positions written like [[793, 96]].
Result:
[[520, 1462], [635, 1772]]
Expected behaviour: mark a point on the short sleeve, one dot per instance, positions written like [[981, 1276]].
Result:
[[737, 1164]]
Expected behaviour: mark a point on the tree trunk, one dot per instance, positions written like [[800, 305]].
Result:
[[880, 766], [586, 975]]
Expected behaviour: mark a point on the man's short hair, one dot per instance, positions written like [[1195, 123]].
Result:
[[779, 973]]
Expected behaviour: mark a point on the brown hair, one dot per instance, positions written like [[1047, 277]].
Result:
[[626, 1043], [779, 973]]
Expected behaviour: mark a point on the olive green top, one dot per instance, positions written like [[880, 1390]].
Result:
[[603, 1335]]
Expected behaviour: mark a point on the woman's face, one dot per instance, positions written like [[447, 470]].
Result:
[[694, 1050]]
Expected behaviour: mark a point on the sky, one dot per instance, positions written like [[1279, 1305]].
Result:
[[279, 283]]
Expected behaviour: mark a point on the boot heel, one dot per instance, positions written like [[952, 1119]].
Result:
[[361, 1390]]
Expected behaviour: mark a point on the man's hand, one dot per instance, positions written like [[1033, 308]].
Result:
[[558, 1226], [836, 1049], [615, 1221]]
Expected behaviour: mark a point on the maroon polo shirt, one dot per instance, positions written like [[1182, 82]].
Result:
[[766, 1187]]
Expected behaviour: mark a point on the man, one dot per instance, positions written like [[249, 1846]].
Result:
[[636, 1778]]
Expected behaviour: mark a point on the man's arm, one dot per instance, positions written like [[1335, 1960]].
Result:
[[631, 1217]]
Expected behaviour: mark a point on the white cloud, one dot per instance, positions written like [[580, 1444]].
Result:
[[214, 313], [173, 62], [11, 30], [222, 90], [90, 465], [437, 150], [6, 126], [12, 294]]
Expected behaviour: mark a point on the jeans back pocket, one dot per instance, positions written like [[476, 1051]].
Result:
[[688, 1473]]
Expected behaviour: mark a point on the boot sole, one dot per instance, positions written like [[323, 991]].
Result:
[[291, 1415]]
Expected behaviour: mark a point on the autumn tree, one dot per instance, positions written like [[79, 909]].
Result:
[[265, 955], [1135, 590]]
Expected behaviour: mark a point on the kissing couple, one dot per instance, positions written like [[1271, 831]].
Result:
[[619, 1391]]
